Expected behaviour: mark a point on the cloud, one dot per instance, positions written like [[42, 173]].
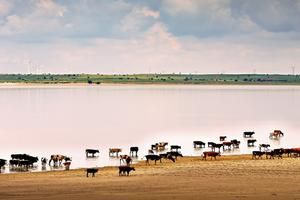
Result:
[[138, 18], [136, 36]]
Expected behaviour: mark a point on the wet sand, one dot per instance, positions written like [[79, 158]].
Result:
[[230, 177]]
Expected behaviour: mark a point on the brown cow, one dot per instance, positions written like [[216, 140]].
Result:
[[211, 154]]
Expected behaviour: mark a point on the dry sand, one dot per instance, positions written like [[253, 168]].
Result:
[[230, 177]]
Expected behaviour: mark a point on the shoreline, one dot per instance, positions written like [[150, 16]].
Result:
[[229, 177], [53, 85]]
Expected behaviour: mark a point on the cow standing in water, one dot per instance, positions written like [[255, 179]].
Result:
[[58, 159], [125, 158], [134, 151], [210, 154]]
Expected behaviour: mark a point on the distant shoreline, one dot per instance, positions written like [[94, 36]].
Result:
[[149, 79]]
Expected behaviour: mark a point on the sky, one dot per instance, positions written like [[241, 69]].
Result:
[[149, 36]]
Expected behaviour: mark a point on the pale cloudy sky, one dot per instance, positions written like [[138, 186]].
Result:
[[141, 36]]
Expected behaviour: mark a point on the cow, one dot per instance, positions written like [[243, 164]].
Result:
[[92, 171], [125, 158], [228, 145], [276, 134], [274, 153], [58, 159], [199, 143], [236, 143], [114, 152], [248, 134], [2, 163], [175, 147], [251, 142], [264, 147], [167, 156], [258, 154], [91, 151], [210, 154], [210, 144], [174, 154], [152, 157], [161, 146], [222, 138], [123, 170], [134, 151], [216, 146]]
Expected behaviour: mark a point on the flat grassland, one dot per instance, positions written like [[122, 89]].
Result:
[[220, 79], [230, 177]]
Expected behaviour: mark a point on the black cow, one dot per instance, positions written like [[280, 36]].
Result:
[[210, 144], [236, 143], [175, 147], [199, 143], [264, 146], [2, 163], [258, 154], [167, 156], [152, 157], [92, 171], [216, 146], [91, 151], [175, 154], [123, 170], [134, 150], [251, 142], [248, 134]]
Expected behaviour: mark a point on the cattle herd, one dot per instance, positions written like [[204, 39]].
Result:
[[157, 152]]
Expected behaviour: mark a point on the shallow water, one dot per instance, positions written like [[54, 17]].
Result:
[[45, 120]]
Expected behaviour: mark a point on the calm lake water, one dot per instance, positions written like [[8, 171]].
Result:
[[45, 120]]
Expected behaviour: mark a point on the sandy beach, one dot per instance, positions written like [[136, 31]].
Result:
[[230, 177]]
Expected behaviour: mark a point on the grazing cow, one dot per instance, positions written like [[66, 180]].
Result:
[[236, 143], [265, 147], [174, 154], [222, 138], [251, 142], [175, 147], [152, 157], [91, 151], [199, 143], [276, 134], [134, 150], [57, 159], [22, 160], [92, 171], [125, 159], [210, 154], [274, 153], [257, 154], [167, 156], [123, 170], [228, 145], [114, 152], [248, 134], [2, 163]]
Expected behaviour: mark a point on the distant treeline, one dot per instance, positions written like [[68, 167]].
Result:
[[153, 78]]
